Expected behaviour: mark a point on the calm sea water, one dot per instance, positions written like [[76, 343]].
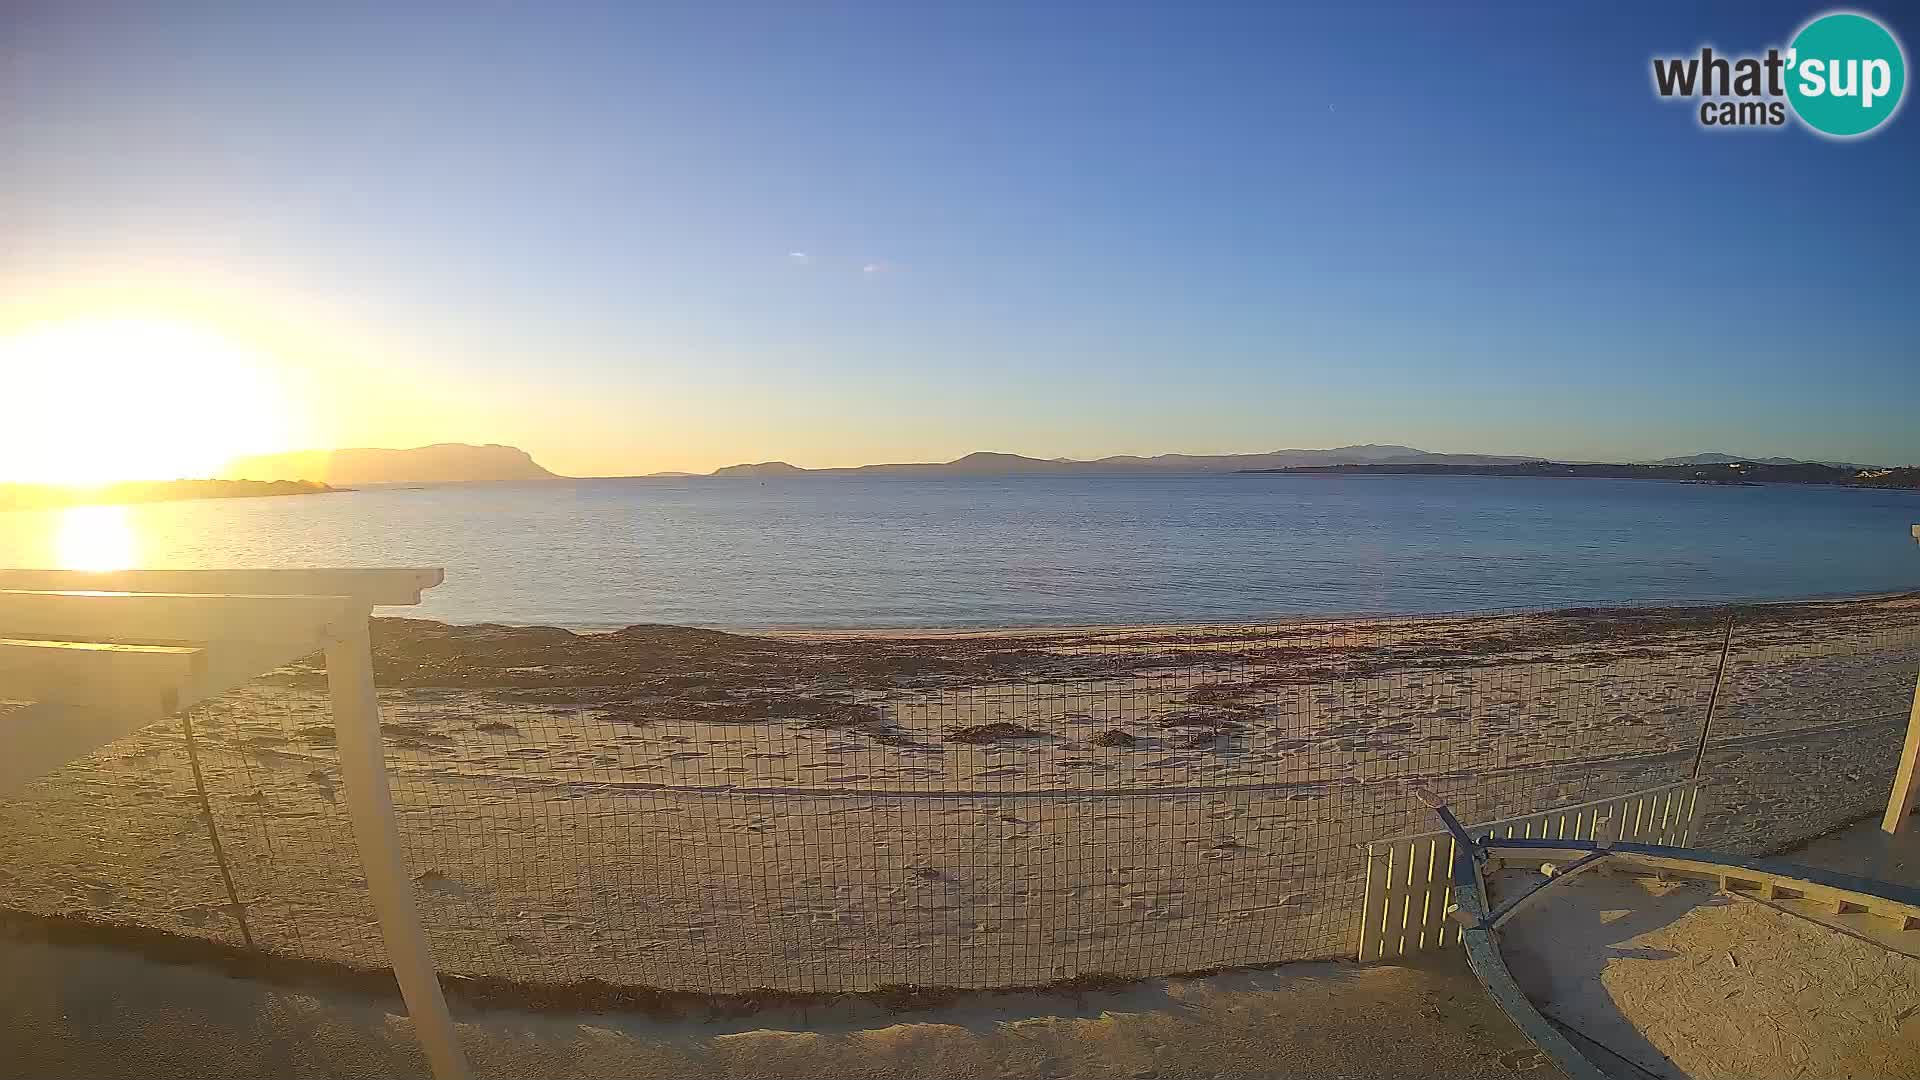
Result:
[[836, 552]]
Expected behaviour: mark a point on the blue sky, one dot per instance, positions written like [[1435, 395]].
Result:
[[1051, 229]]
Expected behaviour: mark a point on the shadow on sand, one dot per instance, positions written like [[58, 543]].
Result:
[[1559, 950]]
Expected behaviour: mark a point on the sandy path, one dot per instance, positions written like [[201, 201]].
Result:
[[90, 1014]]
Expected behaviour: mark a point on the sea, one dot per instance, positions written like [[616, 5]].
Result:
[[848, 552]]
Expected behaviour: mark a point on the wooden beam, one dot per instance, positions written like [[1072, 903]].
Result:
[[1774, 878], [55, 641], [1906, 781], [387, 587], [230, 640], [84, 658], [40, 738], [176, 618], [356, 723], [96, 674], [70, 723], [232, 664]]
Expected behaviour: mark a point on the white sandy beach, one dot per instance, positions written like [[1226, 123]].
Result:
[[693, 811]]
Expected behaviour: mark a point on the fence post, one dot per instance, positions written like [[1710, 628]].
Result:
[[235, 907], [1713, 698], [356, 722], [1906, 783]]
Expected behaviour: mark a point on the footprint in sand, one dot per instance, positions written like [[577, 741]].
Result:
[[436, 883]]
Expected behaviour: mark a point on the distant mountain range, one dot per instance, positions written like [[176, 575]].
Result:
[[441, 463], [445, 463], [985, 463], [1729, 459], [991, 464], [1737, 473]]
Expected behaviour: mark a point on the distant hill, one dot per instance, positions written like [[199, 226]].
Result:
[[984, 463], [1712, 458], [441, 463], [762, 469], [1741, 473], [38, 496]]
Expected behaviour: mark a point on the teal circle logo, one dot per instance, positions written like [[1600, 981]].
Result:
[[1845, 74]]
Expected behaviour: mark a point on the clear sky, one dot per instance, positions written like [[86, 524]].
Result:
[[643, 237]]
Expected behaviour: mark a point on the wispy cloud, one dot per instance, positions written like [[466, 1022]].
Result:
[[874, 267]]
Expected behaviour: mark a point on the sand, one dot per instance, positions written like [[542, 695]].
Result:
[[91, 1014], [1681, 981], [717, 813]]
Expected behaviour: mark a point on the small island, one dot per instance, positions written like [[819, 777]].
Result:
[[54, 496]]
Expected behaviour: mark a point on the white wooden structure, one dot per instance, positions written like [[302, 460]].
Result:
[[1906, 780], [1410, 878], [100, 655], [1490, 888]]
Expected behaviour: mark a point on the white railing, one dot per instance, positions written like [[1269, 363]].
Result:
[[1410, 878]]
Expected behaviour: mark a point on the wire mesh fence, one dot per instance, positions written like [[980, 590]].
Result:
[[699, 811], [1809, 728]]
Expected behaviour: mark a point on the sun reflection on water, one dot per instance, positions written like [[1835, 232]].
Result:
[[95, 538]]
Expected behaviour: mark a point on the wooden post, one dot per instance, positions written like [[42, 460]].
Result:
[[1713, 698], [356, 721], [1906, 782]]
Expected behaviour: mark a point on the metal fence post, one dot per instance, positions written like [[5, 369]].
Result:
[[1713, 698], [234, 906], [356, 721]]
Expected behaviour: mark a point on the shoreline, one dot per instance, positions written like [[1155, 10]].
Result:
[[32, 497], [1029, 630]]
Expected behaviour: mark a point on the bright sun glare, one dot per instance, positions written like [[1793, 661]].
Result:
[[95, 538], [104, 400]]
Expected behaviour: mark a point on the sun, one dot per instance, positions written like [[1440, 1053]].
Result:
[[96, 401], [96, 538]]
